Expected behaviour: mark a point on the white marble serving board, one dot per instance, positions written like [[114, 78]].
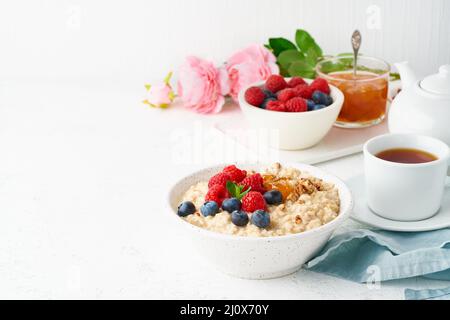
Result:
[[338, 142]]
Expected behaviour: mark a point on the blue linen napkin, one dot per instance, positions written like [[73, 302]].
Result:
[[367, 255], [428, 294]]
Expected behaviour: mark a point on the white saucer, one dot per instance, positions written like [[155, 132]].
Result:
[[363, 214]]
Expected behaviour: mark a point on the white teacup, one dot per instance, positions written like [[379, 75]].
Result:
[[401, 191]]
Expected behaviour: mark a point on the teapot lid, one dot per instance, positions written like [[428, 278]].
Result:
[[438, 83]]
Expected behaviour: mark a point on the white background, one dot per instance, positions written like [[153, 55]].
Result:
[[143, 39], [85, 166]]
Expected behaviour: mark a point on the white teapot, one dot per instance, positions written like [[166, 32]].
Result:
[[423, 106]]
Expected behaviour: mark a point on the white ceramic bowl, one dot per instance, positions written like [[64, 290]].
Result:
[[258, 257], [296, 130]]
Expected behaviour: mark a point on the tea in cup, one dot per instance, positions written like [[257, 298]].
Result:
[[405, 175]]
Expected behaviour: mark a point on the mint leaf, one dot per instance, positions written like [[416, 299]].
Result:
[[244, 193], [235, 190], [305, 42], [279, 45], [286, 58], [302, 69]]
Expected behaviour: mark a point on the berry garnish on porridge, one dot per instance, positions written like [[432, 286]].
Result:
[[273, 202]]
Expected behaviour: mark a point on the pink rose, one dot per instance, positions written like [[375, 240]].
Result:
[[161, 95], [202, 86], [252, 64]]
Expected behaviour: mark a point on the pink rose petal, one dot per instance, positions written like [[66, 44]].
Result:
[[252, 64], [202, 86]]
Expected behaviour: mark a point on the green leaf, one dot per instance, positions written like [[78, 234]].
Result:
[[244, 193], [279, 45], [235, 190], [168, 77], [311, 57], [329, 67], [305, 42], [394, 76], [286, 58], [302, 69], [284, 72], [232, 188]]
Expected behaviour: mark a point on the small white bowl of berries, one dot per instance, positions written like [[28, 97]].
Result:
[[298, 112]]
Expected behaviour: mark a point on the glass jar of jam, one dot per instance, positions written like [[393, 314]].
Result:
[[365, 92]]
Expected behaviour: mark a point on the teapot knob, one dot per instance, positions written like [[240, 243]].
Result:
[[444, 70]]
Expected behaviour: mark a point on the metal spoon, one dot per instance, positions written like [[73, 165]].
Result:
[[356, 44]]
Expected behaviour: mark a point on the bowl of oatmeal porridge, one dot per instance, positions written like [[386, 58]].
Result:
[[259, 239]]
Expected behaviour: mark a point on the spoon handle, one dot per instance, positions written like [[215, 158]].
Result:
[[356, 44]]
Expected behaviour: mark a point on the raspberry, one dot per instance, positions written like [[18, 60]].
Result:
[[286, 94], [295, 81], [321, 85], [219, 179], [276, 106], [255, 182], [264, 104], [254, 96], [236, 175], [253, 201], [304, 91], [275, 83], [296, 105], [217, 193]]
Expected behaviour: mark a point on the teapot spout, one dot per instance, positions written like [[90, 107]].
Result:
[[407, 74]]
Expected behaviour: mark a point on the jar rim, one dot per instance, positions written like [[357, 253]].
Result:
[[386, 69]]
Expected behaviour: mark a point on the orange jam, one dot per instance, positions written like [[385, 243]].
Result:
[[279, 184], [365, 99]]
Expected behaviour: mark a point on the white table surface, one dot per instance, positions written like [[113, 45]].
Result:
[[84, 173]]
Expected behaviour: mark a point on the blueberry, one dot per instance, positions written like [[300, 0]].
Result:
[[329, 100], [231, 205], [273, 197], [318, 107], [261, 219], [186, 208], [209, 208], [321, 98], [266, 101], [269, 94], [310, 104], [239, 218]]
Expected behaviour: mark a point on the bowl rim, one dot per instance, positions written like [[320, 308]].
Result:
[[336, 93], [339, 183]]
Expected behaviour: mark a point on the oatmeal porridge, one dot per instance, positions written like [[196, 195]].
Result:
[[273, 202]]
